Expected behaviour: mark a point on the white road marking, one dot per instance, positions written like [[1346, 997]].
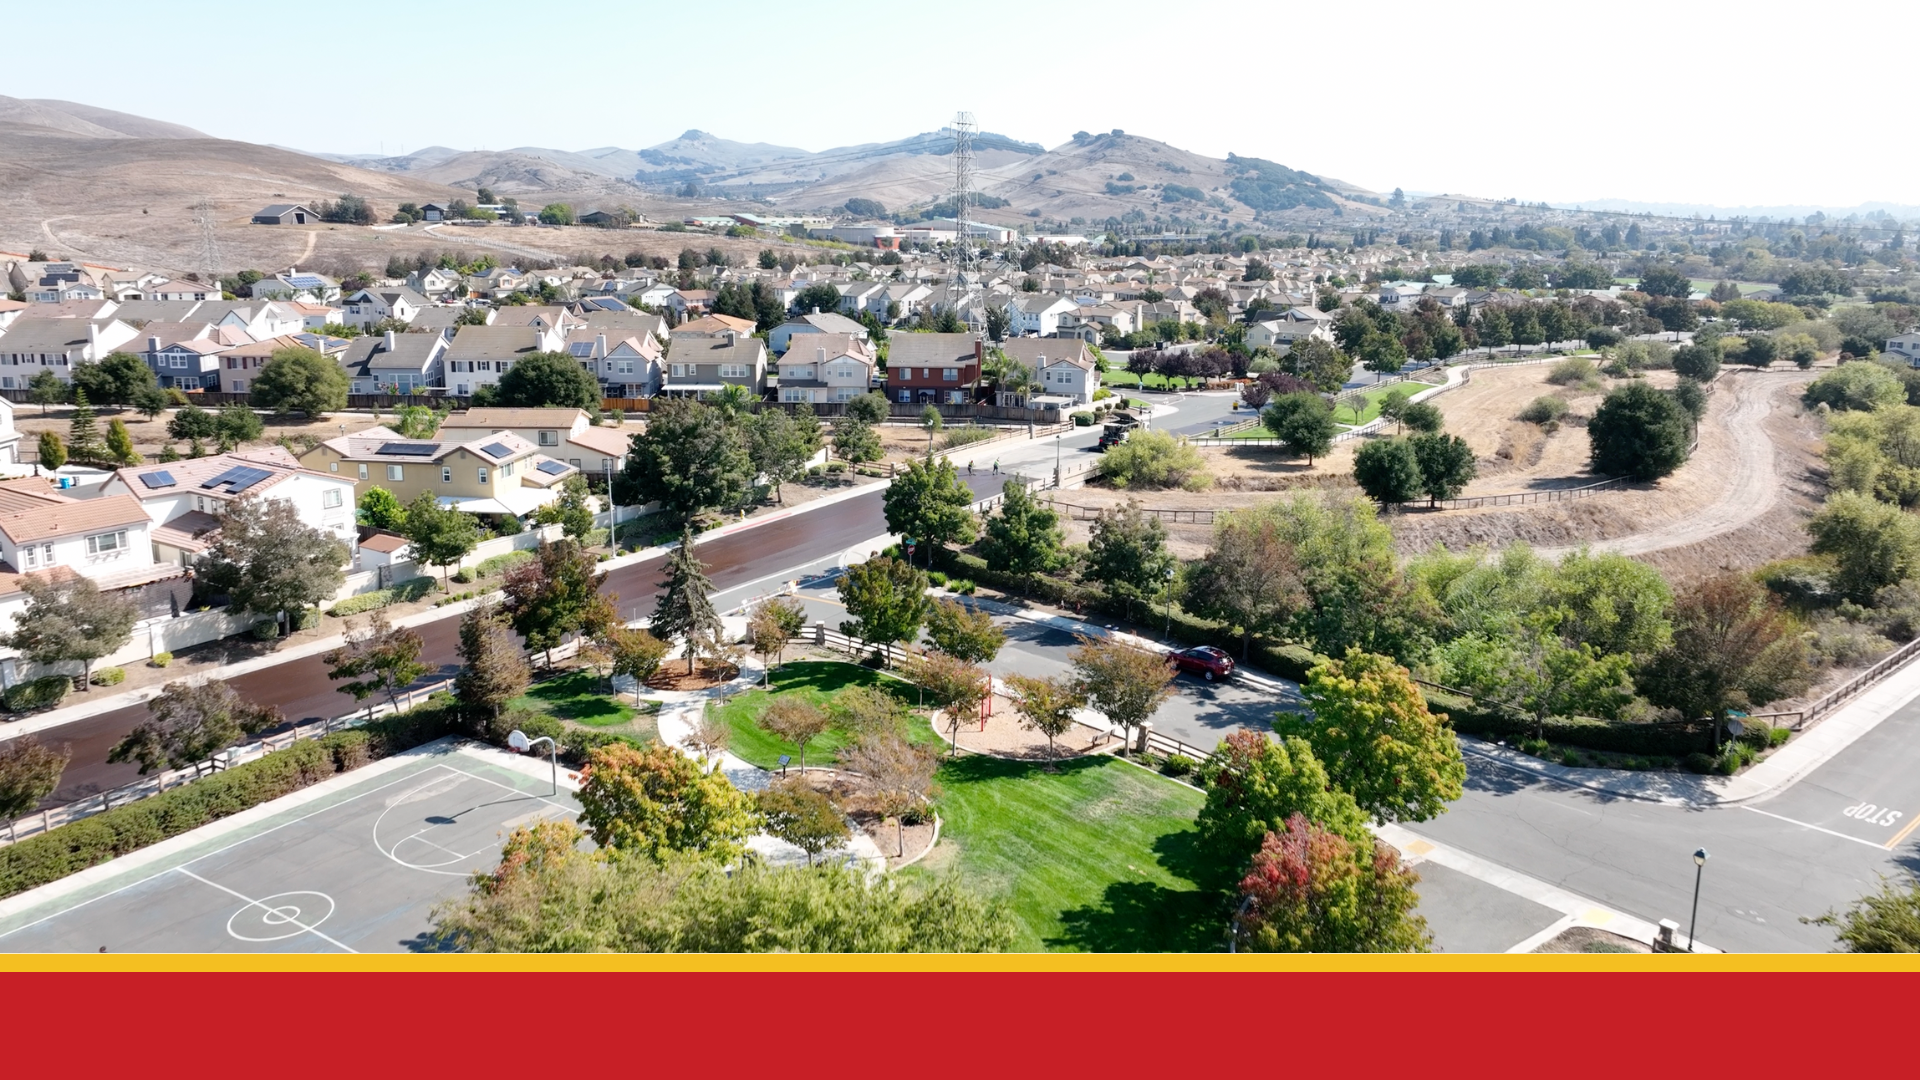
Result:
[[256, 903], [1815, 828]]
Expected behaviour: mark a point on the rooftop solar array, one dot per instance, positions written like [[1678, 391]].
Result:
[[304, 281], [498, 450], [237, 479], [159, 478], [409, 449], [551, 467]]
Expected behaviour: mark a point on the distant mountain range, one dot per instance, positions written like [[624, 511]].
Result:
[[1905, 211]]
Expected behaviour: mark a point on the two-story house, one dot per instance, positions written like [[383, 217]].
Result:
[[186, 356], [1281, 334], [433, 281], [103, 538], [780, 338], [858, 296], [479, 355], [32, 344], [296, 284], [370, 306], [240, 365], [714, 326], [182, 499], [1905, 347], [392, 363], [1063, 368], [497, 474], [627, 366], [699, 366], [826, 368], [933, 368], [567, 434], [1037, 315]]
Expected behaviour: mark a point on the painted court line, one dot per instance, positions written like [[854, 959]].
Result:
[[1817, 828], [255, 903]]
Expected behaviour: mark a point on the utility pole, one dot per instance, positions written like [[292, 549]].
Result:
[[957, 281]]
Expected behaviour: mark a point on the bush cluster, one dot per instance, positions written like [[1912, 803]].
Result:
[[42, 693], [405, 592]]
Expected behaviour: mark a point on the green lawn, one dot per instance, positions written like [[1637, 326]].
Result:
[[817, 682], [578, 696], [1093, 858], [1345, 415]]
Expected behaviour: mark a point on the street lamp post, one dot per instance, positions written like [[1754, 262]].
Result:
[[519, 741], [1169, 602], [1699, 866], [1056, 461]]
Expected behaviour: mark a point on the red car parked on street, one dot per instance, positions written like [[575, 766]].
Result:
[[1205, 661]]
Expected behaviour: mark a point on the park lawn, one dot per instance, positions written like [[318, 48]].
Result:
[[1345, 415], [579, 696], [1094, 858], [816, 681]]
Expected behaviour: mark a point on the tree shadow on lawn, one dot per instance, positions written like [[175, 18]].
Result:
[[1143, 916]]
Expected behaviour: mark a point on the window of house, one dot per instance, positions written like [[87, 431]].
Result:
[[179, 362], [106, 543], [507, 469], [483, 475], [623, 367], [680, 370], [333, 466], [446, 474], [30, 556], [549, 438], [396, 472], [575, 462], [330, 498], [906, 397]]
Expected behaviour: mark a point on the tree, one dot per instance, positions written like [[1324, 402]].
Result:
[[1884, 922], [887, 599], [1872, 543], [268, 561], [53, 452], [570, 510], [1249, 579], [796, 720], [83, 437], [869, 408], [855, 440], [688, 459], [1734, 647], [1665, 281], [1254, 785], [955, 685], [1371, 727], [1302, 422], [817, 298], [70, 621], [556, 595], [1858, 385], [46, 388], [773, 624], [1387, 470], [963, 632], [556, 214], [929, 503], [1127, 553], [779, 444], [1319, 363], [1122, 683], [1311, 890], [801, 816], [550, 380], [1447, 465], [193, 422], [188, 723], [1155, 459], [683, 610], [382, 509], [897, 777], [1423, 416], [637, 654], [493, 669], [29, 772], [655, 802], [380, 658], [115, 380], [1638, 433], [439, 535], [1046, 705], [1699, 363], [1025, 536]]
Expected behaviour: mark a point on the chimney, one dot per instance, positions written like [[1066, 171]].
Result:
[[600, 346], [389, 345], [93, 340], [820, 355], [730, 337], [153, 345]]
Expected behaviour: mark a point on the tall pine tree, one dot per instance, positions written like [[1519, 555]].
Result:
[[83, 438], [684, 611]]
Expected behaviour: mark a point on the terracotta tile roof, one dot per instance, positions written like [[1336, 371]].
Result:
[[607, 441], [384, 542], [191, 531], [29, 518], [710, 325]]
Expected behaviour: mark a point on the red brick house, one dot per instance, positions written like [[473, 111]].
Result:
[[933, 368]]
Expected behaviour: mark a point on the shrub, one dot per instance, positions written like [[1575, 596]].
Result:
[[405, 592], [1698, 762], [1155, 459], [962, 436], [1081, 419], [1536, 747], [937, 578], [500, 564], [463, 576], [266, 630], [109, 676], [1779, 736], [42, 693], [836, 466], [161, 659], [1570, 758], [1858, 385], [1575, 371], [350, 749], [1178, 765], [1544, 409], [965, 588]]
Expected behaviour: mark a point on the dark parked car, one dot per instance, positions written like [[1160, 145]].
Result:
[[1205, 661]]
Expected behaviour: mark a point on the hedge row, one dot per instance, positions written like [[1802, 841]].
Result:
[[41, 693], [500, 564], [72, 848], [405, 592], [1492, 721]]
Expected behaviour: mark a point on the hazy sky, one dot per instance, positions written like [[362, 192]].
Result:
[[1723, 103]]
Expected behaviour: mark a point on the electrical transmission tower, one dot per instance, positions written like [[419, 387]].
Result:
[[209, 248], [959, 280]]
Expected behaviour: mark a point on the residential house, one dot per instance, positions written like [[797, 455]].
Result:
[[183, 290], [540, 316], [315, 317], [295, 284], [444, 320], [826, 368], [780, 338], [567, 434], [285, 214], [479, 355], [1905, 347], [182, 499], [11, 310], [103, 538], [715, 326], [858, 296], [31, 345], [394, 363], [1280, 334], [904, 300], [434, 212], [627, 365], [433, 282], [240, 365], [369, 306], [1063, 369], [9, 435], [703, 365], [57, 282], [933, 368], [496, 473], [1037, 315], [690, 301], [185, 356]]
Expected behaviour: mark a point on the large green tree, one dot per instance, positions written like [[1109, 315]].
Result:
[[1388, 470], [1303, 423], [116, 380], [439, 535], [1025, 536], [550, 380], [556, 595], [1447, 465], [1872, 544], [1309, 889], [1254, 783], [968, 633], [71, 621], [683, 608], [493, 668], [1371, 727], [887, 600], [657, 802], [1127, 553], [29, 772], [378, 658], [188, 723], [1125, 684], [1248, 579], [1638, 433], [688, 459], [1733, 647], [929, 503], [301, 380], [779, 444]]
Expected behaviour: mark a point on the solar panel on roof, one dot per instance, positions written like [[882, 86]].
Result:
[[494, 449], [237, 479], [410, 449], [551, 468], [158, 479]]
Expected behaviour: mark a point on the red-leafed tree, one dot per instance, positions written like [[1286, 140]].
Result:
[[1309, 890]]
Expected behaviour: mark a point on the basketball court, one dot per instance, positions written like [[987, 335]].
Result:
[[352, 865]]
